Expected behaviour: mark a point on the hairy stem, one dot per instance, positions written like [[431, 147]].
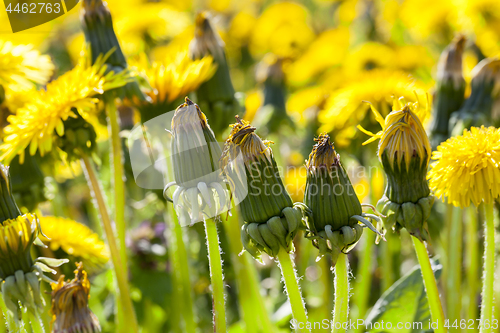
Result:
[[292, 289], [341, 282], [430, 284], [488, 270], [216, 276]]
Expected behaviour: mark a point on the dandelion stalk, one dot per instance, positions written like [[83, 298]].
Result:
[[488, 269], [120, 274], [292, 287], [454, 278], [341, 309], [430, 284], [216, 276], [472, 255], [118, 181]]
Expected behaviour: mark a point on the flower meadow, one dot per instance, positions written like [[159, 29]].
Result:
[[251, 166]]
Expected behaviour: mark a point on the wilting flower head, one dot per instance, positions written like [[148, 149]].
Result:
[[69, 101], [335, 209], [450, 90], [271, 220], [76, 240], [467, 167], [20, 274], [215, 96], [195, 156], [21, 65], [70, 309], [98, 29], [482, 107], [171, 79], [404, 150], [273, 111]]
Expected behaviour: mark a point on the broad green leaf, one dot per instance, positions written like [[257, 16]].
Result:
[[404, 304]]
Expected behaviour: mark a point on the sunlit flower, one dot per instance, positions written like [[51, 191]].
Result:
[[345, 108], [22, 65], [77, 240], [404, 150], [370, 55], [467, 168], [72, 95], [70, 309], [335, 208], [171, 79]]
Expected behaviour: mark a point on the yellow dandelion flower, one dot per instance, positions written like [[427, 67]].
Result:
[[76, 239], [467, 167], [368, 56], [282, 29], [344, 109], [72, 94], [22, 65], [70, 309], [175, 76]]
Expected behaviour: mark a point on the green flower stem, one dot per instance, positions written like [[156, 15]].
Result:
[[488, 270], [120, 273], [249, 294], [216, 276], [430, 284], [292, 288], [472, 260], [454, 278], [118, 178], [180, 258], [341, 309], [364, 276]]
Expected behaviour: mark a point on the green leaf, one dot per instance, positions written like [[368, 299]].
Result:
[[404, 303]]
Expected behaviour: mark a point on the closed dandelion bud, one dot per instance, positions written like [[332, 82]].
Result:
[[28, 182], [70, 309], [450, 90], [272, 114], [20, 274], [195, 156], [99, 33], [271, 220], [404, 150], [335, 210], [482, 107], [216, 96]]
